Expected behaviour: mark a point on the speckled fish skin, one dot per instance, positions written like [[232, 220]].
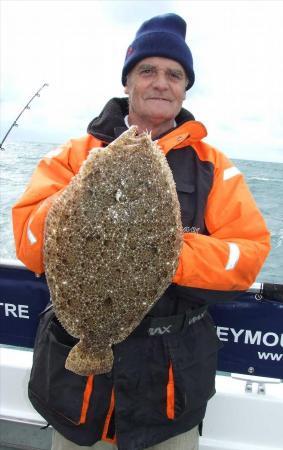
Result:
[[112, 242]]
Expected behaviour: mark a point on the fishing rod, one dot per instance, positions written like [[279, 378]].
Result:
[[15, 123]]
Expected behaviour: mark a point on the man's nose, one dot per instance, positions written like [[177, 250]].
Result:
[[160, 80]]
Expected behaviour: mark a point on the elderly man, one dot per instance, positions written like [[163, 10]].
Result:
[[156, 395]]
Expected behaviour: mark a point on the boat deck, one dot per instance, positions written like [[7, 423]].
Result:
[[24, 436]]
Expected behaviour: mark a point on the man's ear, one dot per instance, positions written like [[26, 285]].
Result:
[[185, 95], [126, 89]]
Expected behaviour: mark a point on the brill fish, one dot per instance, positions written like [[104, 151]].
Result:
[[112, 244]]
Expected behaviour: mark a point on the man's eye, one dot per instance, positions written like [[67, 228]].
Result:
[[147, 71], [176, 76]]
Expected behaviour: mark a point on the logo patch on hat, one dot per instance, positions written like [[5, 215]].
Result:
[[129, 51]]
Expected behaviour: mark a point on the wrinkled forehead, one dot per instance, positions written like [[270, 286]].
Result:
[[159, 63]]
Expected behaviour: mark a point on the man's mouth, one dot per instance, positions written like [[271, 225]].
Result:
[[159, 99]]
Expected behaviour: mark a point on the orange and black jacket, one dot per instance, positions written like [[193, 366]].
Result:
[[159, 385]]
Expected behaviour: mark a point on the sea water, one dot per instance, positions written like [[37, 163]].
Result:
[[265, 180]]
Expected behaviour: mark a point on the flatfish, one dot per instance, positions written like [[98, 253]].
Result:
[[112, 242]]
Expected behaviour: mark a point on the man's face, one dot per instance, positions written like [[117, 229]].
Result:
[[156, 88]]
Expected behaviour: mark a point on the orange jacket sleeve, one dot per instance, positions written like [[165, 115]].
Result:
[[232, 255], [51, 176]]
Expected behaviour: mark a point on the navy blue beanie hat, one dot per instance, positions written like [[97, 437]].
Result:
[[161, 36]]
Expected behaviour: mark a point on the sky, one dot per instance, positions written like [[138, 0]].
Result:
[[78, 48]]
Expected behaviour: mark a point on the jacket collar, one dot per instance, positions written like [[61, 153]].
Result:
[[110, 124], [184, 135]]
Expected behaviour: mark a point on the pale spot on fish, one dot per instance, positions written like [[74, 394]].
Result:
[[118, 195]]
